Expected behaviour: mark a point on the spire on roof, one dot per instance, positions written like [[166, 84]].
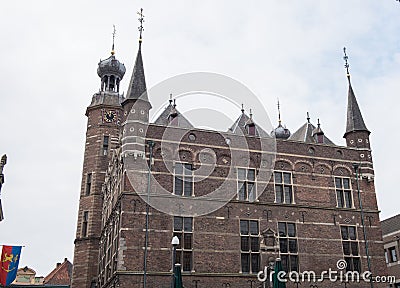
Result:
[[346, 63], [310, 134], [318, 134], [137, 86], [112, 49], [242, 109], [243, 122], [280, 131], [355, 121], [171, 116], [279, 114], [318, 130], [173, 112], [141, 20], [250, 121]]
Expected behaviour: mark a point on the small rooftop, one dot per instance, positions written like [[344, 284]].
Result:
[[391, 225]]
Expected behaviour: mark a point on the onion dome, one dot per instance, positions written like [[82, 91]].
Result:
[[111, 71], [280, 132], [111, 66]]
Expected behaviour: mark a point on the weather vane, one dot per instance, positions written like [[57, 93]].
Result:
[[279, 113], [141, 20], [114, 32], [346, 65]]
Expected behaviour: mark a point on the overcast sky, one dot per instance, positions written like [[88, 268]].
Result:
[[291, 50]]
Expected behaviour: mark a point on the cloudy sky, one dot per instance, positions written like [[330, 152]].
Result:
[[291, 50]]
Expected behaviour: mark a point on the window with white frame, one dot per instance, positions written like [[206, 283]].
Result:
[[288, 248], [283, 187], [250, 246], [392, 255], [246, 184], [343, 192], [183, 229], [183, 179], [350, 248]]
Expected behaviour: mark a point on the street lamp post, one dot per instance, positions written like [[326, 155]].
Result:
[[174, 243], [146, 241], [356, 167]]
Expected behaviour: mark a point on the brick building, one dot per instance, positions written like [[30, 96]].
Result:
[[59, 277], [391, 241], [308, 214]]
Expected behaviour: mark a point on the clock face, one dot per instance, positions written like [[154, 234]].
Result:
[[109, 116]]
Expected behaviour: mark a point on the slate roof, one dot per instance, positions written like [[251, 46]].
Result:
[[305, 134], [239, 127], [182, 122], [137, 85], [355, 121], [390, 225]]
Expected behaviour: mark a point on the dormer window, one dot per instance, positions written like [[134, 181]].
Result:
[[251, 130], [318, 134], [319, 138]]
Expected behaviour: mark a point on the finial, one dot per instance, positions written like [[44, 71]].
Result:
[[112, 49], [3, 162], [346, 63], [251, 115], [318, 123], [174, 103], [308, 117], [242, 108], [3, 159], [141, 20], [279, 113], [170, 99]]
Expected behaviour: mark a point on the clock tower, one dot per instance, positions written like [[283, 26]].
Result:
[[102, 136]]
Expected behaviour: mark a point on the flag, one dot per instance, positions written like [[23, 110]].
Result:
[[9, 264]]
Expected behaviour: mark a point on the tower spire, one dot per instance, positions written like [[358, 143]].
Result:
[[137, 86], [355, 121]]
